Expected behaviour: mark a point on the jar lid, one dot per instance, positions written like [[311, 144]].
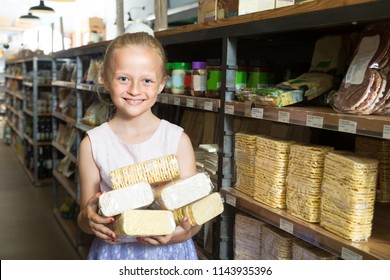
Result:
[[199, 65], [170, 65], [179, 65]]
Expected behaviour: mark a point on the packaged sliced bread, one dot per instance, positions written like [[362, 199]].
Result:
[[142, 222], [178, 193], [131, 197], [200, 211], [153, 171]]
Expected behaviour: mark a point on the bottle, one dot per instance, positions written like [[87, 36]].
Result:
[[178, 75], [214, 75], [168, 84], [187, 79], [199, 78]]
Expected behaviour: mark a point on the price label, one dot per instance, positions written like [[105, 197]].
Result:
[[190, 103], [176, 101], [347, 126], [347, 254], [229, 109], [164, 99], [284, 117], [257, 113], [287, 226], [386, 131], [208, 105], [315, 121], [231, 200]]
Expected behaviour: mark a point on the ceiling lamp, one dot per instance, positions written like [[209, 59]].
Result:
[[29, 17], [41, 8]]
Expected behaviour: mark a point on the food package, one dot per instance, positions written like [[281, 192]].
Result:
[[304, 179], [201, 211], [348, 195], [271, 169], [245, 154], [96, 114], [117, 201], [380, 149], [302, 250], [247, 237], [142, 222], [276, 244], [365, 88], [178, 193], [153, 171]]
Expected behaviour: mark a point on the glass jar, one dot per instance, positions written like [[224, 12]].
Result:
[[187, 78], [178, 75], [241, 75], [199, 78], [214, 78], [168, 83], [258, 75]]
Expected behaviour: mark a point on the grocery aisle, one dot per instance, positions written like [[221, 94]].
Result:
[[28, 228]]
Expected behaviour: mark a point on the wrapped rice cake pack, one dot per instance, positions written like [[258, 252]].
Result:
[[178, 193], [152, 171], [302, 250], [245, 152], [303, 181], [276, 244], [348, 195], [380, 149], [201, 211], [271, 168], [134, 223], [247, 237], [131, 197]]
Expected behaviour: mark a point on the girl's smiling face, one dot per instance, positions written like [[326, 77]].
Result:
[[134, 80]]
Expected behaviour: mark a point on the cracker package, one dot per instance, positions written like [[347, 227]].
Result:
[[302, 250], [276, 244]]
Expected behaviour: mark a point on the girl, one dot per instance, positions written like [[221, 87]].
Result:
[[134, 74]]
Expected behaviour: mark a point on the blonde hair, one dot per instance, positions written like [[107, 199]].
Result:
[[139, 39]]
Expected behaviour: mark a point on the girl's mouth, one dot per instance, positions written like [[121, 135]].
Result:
[[133, 101]]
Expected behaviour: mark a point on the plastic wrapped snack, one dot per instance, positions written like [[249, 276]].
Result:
[[131, 197], [178, 193], [153, 171]]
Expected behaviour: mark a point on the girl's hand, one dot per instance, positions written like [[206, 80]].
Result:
[[97, 222], [182, 233]]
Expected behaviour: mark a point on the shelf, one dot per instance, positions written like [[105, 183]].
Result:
[[64, 118], [14, 129], [31, 84], [67, 184], [93, 88], [83, 127], [68, 226], [317, 117], [64, 151], [64, 84], [15, 77], [201, 103], [377, 247]]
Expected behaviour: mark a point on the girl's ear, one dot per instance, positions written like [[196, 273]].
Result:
[[162, 85]]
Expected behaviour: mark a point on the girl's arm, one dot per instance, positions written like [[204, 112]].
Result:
[[89, 220]]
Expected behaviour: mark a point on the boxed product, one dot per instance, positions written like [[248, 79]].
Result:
[[207, 10], [178, 193], [229, 8], [121, 200], [133, 223]]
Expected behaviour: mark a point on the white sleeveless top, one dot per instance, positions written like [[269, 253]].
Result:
[[110, 152]]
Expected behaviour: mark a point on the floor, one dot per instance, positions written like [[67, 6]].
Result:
[[28, 228]]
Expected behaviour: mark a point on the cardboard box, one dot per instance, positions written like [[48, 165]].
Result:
[[229, 8], [207, 10], [284, 3]]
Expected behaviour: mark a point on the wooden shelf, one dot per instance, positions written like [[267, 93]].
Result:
[[377, 247], [68, 226], [64, 118], [64, 84], [68, 185], [64, 151], [317, 117], [201, 103]]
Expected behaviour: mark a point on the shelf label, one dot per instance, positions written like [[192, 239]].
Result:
[[257, 113], [176, 101], [315, 121], [190, 102], [284, 117], [287, 226], [386, 131], [229, 109], [164, 99], [347, 254], [231, 200], [347, 126], [208, 105]]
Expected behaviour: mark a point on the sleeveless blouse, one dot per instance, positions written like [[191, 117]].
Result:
[[110, 153]]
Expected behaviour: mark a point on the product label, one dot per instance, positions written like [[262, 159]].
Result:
[[229, 109], [287, 226], [315, 121], [190, 102], [231, 200], [214, 81], [176, 101], [257, 113], [208, 105], [284, 117], [164, 99], [386, 131], [199, 83], [347, 126]]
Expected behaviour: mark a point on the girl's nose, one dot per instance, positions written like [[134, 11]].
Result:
[[133, 89]]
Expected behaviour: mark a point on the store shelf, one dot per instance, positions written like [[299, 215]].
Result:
[[31, 84], [18, 95], [67, 184], [69, 227], [64, 118], [377, 247], [201, 103], [15, 77], [317, 117], [89, 87], [64, 151], [64, 84], [83, 127]]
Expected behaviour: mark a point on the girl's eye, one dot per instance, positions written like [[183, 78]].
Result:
[[123, 79], [148, 81]]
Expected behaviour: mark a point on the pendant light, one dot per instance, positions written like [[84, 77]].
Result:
[[29, 17], [41, 8]]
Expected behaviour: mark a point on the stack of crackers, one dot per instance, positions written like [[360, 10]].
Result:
[[303, 181], [348, 194], [302, 250], [380, 149], [276, 244], [245, 152], [271, 168], [247, 237]]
